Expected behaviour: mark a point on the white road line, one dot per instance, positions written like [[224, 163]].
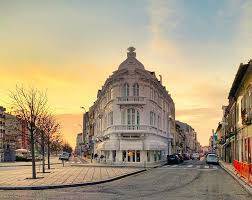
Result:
[[174, 166], [189, 165], [198, 166], [215, 167], [206, 167]]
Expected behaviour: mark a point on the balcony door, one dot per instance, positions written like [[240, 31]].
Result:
[[131, 117]]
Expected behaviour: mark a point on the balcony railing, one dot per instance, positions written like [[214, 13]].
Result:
[[134, 129], [131, 100]]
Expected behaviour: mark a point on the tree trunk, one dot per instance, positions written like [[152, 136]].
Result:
[[48, 154], [33, 154], [43, 151]]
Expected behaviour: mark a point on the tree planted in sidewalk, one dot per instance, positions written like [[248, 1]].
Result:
[[49, 133], [30, 105]]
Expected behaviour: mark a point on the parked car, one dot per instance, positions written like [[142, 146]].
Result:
[[186, 156], [212, 159], [173, 159], [195, 156], [23, 155], [180, 157], [64, 156]]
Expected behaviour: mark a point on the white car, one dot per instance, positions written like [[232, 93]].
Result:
[[64, 156], [195, 156], [212, 159]]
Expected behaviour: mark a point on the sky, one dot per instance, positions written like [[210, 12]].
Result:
[[69, 48]]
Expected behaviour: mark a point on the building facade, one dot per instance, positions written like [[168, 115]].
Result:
[[133, 119], [13, 135], [234, 132], [189, 138]]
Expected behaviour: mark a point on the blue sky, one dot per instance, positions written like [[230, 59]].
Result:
[[61, 45]]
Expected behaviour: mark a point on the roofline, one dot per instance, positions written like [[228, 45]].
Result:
[[238, 78]]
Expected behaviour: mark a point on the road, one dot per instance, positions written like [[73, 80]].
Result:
[[192, 180]]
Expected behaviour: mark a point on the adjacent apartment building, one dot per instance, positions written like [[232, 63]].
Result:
[[13, 135], [133, 119], [234, 132]]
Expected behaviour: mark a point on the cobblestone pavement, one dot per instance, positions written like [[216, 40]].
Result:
[[173, 183], [59, 175]]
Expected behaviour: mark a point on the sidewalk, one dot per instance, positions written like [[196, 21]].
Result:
[[68, 176], [229, 168]]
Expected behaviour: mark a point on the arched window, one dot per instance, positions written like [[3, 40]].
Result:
[[136, 89], [125, 90]]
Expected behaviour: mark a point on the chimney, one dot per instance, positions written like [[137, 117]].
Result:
[[160, 76]]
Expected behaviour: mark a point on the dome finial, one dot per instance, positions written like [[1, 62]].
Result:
[[131, 52]]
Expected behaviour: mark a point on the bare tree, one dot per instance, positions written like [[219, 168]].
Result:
[[52, 128], [57, 142], [48, 131], [30, 105]]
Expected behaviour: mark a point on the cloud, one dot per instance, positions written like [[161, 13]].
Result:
[[163, 20]]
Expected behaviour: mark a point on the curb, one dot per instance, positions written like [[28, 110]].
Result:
[[247, 187], [27, 165], [44, 187]]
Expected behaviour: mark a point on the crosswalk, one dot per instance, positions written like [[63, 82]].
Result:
[[181, 166]]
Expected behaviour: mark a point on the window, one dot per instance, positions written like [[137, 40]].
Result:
[[158, 124], [123, 117], [110, 118], [151, 94], [126, 89], [133, 118], [148, 156], [124, 156], [151, 118], [136, 89], [138, 156]]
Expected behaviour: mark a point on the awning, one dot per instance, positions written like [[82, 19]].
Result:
[[108, 145], [155, 145], [131, 145]]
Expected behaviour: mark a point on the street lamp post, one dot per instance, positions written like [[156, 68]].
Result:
[[83, 124]]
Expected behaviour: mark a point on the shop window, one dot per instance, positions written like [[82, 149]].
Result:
[[138, 156], [124, 156], [148, 156], [114, 155]]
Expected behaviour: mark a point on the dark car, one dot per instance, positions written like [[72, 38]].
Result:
[[173, 159], [186, 156], [180, 158]]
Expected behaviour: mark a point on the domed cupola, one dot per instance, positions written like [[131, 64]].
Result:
[[131, 62]]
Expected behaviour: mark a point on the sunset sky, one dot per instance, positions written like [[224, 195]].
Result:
[[69, 48]]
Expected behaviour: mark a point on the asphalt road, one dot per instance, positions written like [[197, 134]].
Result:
[[192, 180]]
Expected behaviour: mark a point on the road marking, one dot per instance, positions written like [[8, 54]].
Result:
[[215, 167], [206, 167], [198, 166], [174, 166], [189, 165]]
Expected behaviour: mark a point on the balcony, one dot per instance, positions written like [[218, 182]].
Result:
[[135, 100], [246, 115], [135, 129]]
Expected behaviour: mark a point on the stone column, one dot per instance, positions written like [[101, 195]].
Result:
[[119, 156]]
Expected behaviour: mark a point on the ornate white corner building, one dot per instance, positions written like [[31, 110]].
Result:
[[133, 119]]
